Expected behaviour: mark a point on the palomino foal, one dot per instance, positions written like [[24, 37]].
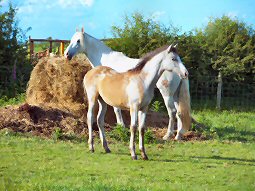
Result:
[[132, 90]]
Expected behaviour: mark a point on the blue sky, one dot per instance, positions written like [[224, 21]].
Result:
[[60, 18]]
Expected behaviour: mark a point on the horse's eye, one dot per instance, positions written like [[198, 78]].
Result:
[[174, 59], [78, 41]]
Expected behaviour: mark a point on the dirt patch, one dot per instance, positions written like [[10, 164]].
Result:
[[40, 121]]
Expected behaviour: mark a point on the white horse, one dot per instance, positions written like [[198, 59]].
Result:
[[132, 90], [175, 91]]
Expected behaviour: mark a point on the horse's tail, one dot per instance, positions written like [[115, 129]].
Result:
[[184, 104]]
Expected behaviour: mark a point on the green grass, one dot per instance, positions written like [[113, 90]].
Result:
[[30, 163], [4, 101], [227, 125]]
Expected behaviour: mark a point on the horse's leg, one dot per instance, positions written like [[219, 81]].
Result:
[[141, 117], [133, 127], [180, 130], [168, 84], [100, 123], [90, 121], [169, 102], [119, 118]]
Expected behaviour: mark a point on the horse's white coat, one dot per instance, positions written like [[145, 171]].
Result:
[[100, 54]]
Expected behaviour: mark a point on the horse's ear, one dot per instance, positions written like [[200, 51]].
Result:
[[82, 29], [175, 46], [172, 48], [169, 49]]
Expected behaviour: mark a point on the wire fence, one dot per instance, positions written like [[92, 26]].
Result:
[[233, 94], [203, 93]]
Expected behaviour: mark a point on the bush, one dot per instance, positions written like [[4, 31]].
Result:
[[120, 133]]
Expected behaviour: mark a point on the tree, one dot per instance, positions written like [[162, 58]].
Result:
[[193, 55], [230, 46], [13, 54], [140, 35]]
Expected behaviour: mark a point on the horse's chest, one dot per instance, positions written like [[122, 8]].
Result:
[[138, 94]]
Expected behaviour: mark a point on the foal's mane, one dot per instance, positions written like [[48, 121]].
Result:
[[147, 58]]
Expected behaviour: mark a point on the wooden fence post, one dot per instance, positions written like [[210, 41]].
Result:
[[50, 50], [219, 91], [62, 48], [31, 46]]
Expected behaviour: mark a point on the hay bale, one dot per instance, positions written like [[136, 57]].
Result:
[[57, 83]]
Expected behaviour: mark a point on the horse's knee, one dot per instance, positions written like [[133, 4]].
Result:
[[178, 114]]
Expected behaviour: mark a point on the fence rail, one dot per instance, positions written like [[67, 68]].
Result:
[[50, 41]]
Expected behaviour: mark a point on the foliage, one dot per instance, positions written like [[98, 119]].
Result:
[[230, 46], [57, 134], [20, 98], [224, 44], [14, 67], [140, 35], [157, 106], [120, 133]]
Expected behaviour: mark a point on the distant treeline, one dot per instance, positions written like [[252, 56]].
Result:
[[224, 45]]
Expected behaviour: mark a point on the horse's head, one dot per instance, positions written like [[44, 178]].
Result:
[[76, 45], [173, 62]]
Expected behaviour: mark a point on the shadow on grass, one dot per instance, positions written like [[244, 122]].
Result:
[[231, 133], [249, 162]]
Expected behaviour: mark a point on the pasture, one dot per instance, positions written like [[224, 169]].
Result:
[[226, 161]]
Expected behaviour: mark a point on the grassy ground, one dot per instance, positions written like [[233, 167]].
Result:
[[224, 162], [37, 164]]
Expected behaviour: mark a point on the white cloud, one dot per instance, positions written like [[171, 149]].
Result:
[[156, 15], [25, 9], [35, 6], [71, 3], [88, 3], [232, 14]]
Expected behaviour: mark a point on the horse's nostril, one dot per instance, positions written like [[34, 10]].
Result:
[[67, 53]]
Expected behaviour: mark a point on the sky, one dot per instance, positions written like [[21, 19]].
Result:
[[60, 18]]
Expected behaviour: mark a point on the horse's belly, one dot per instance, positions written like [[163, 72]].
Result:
[[113, 92]]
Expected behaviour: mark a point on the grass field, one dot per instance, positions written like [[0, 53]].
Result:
[[226, 161], [29, 163]]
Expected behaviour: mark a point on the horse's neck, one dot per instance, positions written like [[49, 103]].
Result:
[[118, 61], [95, 49], [100, 54], [152, 71]]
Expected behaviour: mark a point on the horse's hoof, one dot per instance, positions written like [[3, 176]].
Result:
[[166, 138], [107, 150], [134, 157], [177, 138], [92, 150], [145, 157]]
